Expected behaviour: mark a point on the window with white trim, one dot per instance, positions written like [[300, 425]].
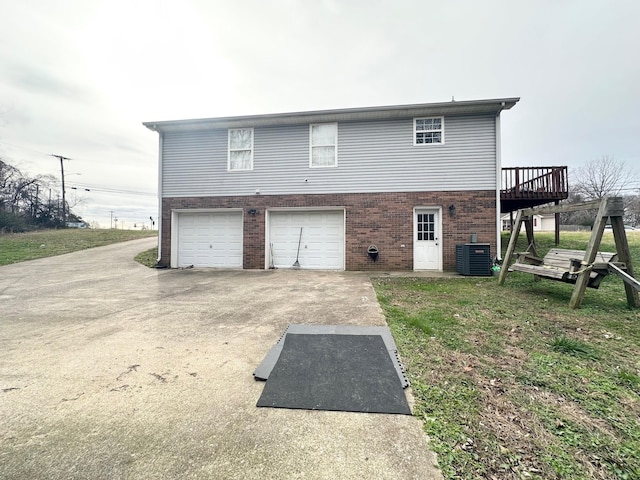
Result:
[[240, 149], [428, 130], [323, 145]]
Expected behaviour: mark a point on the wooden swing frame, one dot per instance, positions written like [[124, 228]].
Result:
[[581, 271]]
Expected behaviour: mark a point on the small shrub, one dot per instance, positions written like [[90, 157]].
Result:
[[574, 347]]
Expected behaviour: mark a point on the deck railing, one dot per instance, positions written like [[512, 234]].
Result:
[[534, 183]]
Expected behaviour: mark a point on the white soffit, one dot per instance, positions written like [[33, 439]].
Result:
[[471, 107]]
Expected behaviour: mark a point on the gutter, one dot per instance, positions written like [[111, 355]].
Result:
[[160, 143], [498, 187]]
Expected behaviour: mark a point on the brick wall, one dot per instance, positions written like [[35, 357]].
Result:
[[383, 219]]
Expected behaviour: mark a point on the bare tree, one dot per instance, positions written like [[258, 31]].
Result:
[[600, 178], [632, 210], [580, 217], [8, 175], [603, 177], [27, 201]]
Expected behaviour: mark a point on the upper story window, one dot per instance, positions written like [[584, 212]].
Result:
[[240, 149], [323, 145], [428, 130]]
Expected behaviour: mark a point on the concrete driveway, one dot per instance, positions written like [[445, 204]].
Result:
[[112, 370]]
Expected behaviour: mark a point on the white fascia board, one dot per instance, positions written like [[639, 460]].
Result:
[[470, 107]]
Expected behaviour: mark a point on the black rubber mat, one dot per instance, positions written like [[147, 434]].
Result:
[[351, 373], [264, 369]]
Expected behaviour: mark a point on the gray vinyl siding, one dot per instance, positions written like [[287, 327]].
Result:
[[375, 156]]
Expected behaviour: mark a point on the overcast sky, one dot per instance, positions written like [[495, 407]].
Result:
[[78, 78]]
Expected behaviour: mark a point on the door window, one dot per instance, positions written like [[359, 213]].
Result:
[[426, 226]]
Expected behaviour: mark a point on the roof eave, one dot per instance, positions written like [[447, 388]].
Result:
[[470, 107]]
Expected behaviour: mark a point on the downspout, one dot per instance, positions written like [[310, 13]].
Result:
[[160, 142], [498, 187]]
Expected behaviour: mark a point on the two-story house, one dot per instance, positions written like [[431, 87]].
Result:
[[323, 189]]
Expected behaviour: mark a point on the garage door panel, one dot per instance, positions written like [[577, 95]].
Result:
[[210, 239], [322, 243]]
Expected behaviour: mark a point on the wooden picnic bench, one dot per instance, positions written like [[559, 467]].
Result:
[[565, 265]]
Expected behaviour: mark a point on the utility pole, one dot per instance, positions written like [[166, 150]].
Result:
[[111, 225], [64, 202]]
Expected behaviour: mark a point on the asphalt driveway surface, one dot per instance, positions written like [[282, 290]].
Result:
[[112, 370]]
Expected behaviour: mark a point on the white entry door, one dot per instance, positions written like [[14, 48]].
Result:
[[427, 246]]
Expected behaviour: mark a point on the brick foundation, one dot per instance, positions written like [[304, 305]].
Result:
[[383, 219]]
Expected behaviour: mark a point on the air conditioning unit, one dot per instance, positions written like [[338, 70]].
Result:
[[473, 259]]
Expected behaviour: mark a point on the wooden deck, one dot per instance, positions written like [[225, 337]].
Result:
[[525, 187]]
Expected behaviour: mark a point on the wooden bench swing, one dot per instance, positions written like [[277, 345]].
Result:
[[584, 268]]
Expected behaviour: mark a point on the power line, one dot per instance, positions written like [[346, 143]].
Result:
[[95, 188], [24, 148], [114, 190]]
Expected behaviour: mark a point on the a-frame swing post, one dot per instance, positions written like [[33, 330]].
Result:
[[624, 256], [515, 231], [590, 253], [612, 208]]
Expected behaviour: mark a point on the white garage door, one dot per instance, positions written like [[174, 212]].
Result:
[[210, 240], [321, 244]]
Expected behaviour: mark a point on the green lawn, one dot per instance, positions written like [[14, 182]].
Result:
[[18, 247], [511, 383]]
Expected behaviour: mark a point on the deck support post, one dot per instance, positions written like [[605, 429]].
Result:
[[557, 224]]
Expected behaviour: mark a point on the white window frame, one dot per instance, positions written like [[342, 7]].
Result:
[[416, 131], [334, 145], [229, 150]]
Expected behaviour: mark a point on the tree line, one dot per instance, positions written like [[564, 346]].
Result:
[[603, 177], [28, 203]]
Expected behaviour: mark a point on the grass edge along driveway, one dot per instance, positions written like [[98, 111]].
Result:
[[19, 247]]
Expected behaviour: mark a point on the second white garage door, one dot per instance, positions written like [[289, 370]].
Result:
[[321, 244], [210, 239]]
